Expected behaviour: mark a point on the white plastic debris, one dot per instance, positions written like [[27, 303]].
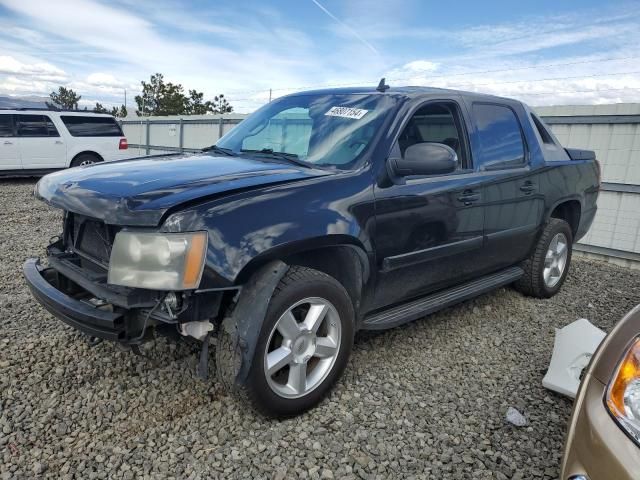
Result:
[[573, 347], [197, 330], [514, 417]]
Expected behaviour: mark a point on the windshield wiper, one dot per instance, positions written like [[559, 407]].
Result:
[[217, 149], [289, 157]]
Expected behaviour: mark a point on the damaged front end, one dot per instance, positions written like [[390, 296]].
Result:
[[75, 287]]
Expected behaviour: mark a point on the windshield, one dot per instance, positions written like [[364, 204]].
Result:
[[322, 130]]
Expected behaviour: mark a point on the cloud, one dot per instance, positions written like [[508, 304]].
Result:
[[42, 70], [528, 59], [104, 79], [421, 66], [107, 82], [537, 36], [269, 54], [574, 80], [22, 86], [245, 50]]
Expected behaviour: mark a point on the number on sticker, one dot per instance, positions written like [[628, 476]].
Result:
[[347, 112]]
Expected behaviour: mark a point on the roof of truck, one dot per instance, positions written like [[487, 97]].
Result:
[[406, 91]]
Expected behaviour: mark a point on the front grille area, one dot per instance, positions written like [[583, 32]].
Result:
[[90, 236]]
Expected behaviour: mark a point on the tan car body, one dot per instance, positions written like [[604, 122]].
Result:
[[596, 446]]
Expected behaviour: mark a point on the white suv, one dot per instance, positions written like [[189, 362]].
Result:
[[36, 141]]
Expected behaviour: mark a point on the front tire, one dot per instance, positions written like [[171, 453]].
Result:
[[303, 346], [546, 269]]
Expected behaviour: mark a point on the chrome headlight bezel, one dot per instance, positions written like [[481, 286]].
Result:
[[158, 261]]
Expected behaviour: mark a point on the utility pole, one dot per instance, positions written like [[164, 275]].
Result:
[[270, 95], [125, 98]]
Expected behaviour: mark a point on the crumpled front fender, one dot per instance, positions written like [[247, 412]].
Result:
[[244, 324]]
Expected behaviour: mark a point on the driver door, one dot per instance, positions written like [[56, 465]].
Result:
[[429, 229]]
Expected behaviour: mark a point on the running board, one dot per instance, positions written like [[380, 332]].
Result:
[[407, 312]]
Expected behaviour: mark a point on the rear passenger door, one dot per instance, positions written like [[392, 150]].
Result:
[[39, 142], [513, 206], [9, 154]]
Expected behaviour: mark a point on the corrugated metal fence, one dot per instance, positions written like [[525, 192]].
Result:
[[153, 135], [613, 131]]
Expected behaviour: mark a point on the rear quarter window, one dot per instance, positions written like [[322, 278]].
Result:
[[79, 126]]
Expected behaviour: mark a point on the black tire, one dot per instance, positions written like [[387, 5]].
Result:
[[85, 159], [532, 282], [299, 283]]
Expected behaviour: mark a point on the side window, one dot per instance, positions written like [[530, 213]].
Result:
[[500, 137], [436, 123], [289, 132], [6, 125], [32, 126], [79, 126], [52, 131]]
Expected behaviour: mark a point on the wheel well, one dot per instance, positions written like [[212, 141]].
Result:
[[340, 262], [88, 152], [569, 211]]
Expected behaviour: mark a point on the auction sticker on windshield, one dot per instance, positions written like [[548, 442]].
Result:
[[346, 112]]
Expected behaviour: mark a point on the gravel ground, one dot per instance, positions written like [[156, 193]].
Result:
[[426, 400]]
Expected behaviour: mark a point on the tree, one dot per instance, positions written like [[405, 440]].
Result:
[[99, 108], [115, 111], [196, 105], [64, 98], [160, 98], [165, 98], [221, 105]]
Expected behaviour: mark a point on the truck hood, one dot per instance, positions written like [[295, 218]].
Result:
[[138, 192]]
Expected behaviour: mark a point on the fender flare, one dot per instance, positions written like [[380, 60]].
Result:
[[302, 247], [245, 322], [575, 197]]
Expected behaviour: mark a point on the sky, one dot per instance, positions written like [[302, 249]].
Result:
[[543, 52]]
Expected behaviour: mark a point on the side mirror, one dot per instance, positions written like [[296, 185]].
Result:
[[425, 159]]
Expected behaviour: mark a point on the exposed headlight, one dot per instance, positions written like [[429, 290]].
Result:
[[623, 394], [158, 261]]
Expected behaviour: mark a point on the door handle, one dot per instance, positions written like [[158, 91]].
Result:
[[7, 142], [468, 197], [527, 187], [58, 142]]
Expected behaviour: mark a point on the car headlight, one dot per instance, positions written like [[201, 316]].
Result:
[[623, 394], [158, 261]]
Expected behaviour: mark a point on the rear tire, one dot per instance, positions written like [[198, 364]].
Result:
[[85, 159], [303, 346], [546, 269]]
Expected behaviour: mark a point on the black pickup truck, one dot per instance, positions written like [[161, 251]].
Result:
[[321, 214]]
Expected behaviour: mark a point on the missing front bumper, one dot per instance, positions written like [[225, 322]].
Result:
[[95, 321], [81, 310]]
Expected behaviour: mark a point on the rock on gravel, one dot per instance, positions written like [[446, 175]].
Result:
[[514, 417], [426, 400]]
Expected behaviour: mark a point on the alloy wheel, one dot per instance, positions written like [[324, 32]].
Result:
[[555, 260], [302, 347]]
